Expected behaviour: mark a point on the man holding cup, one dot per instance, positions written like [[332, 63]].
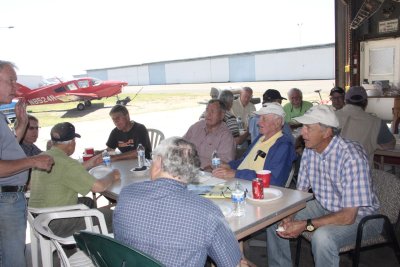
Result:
[[272, 150]]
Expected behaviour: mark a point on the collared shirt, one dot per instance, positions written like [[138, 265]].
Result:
[[292, 112], [339, 177], [205, 142], [243, 112], [30, 149], [173, 225], [60, 186], [254, 162]]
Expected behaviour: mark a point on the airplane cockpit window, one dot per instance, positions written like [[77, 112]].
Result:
[[60, 89], [83, 84], [72, 86], [96, 82]]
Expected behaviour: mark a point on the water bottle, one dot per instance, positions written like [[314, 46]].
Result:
[[215, 160], [141, 156], [106, 158], [240, 123], [238, 200]]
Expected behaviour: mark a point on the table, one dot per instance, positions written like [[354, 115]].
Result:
[[388, 157], [257, 216]]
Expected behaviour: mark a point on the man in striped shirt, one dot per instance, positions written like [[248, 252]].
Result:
[[337, 171]]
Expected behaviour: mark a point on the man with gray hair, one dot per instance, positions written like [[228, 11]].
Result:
[[296, 107], [165, 220], [342, 199], [14, 169], [272, 150], [242, 107]]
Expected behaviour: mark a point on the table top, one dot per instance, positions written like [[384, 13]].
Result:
[[257, 215], [390, 152]]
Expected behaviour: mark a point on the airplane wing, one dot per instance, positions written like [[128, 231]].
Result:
[[68, 97]]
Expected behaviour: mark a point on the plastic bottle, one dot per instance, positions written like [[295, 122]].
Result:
[[215, 160], [141, 156], [238, 200], [240, 123], [106, 158]]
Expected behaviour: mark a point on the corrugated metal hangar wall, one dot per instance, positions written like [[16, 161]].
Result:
[[303, 63]]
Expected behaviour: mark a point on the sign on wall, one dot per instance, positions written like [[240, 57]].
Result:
[[388, 26]]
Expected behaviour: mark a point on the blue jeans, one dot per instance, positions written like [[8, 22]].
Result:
[[326, 240], [12, 229]]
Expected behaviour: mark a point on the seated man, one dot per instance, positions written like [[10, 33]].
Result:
[[165, 220], [337, 97], [127, 135], [272, 150], [269, 96], [67, 179], [357, 125], [242, 107], [296, 107], [30, 137], [337, 171], [212, 134]]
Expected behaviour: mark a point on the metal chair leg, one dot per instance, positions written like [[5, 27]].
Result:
[[298, 252]]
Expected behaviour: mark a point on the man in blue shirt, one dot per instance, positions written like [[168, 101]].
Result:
[[338, 172], [165, 220]]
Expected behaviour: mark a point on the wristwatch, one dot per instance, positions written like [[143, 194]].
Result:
[[310, 227]]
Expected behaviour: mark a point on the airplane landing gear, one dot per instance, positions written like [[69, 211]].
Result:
[[80, 107], [88, 103], [124, 101]]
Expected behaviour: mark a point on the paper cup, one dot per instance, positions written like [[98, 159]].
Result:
[[86, 157], [89, 151], [265, 176]]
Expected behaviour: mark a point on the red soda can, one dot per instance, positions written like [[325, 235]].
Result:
[[258, 188]]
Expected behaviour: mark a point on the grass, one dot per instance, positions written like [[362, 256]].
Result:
[[147, 102]]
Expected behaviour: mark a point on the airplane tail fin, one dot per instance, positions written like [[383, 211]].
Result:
[[22, 90]]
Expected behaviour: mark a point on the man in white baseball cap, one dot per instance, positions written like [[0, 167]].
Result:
[[272, 150], [342, 199]]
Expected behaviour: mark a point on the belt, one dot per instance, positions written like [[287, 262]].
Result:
[[13, 188]]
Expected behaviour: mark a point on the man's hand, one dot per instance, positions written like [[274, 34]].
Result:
[[224, 173], [43, 162], [93, 161], [292, 229], [117, 175], [21, 119]]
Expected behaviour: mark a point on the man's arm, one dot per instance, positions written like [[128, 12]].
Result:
[[12, 167], [102, 184], [22, 120], [385, 138], [293, 229], [127, 155]]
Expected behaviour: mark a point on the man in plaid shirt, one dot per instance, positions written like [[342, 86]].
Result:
[[337, 171]]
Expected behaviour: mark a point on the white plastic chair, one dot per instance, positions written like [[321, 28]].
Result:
[[41, 226], [156, 136]]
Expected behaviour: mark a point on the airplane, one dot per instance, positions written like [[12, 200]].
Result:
[[81, 89]]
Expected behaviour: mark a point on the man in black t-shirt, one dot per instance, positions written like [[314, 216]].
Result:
[[127, 135]]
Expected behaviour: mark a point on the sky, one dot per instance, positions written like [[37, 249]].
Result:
[[66, 37]]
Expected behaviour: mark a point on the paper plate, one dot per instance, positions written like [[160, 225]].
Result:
[[140, 173], [270, 194], [100, 171]]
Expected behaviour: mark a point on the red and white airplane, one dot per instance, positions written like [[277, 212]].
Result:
[[82, 90]]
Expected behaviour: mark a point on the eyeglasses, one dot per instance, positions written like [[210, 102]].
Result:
[[33, 128], [227, 192], [336, 97]]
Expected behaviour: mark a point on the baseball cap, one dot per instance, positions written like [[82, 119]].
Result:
[[64, 131], [319, 114], [337, 90], [271, 94], [271, 108], [356, 94]]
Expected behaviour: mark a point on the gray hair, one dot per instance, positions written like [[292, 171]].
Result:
[[179, 158], [247, 89], [335, 131], [4, 63], [291, 91], [226, 96], [279, 117], [62, 142]]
